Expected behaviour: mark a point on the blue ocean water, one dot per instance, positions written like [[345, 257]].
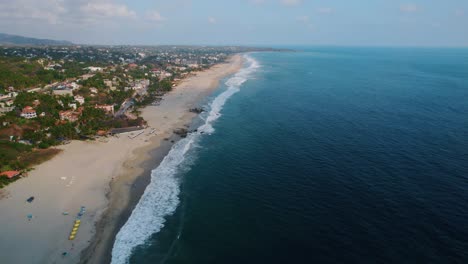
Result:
[[326, 155]]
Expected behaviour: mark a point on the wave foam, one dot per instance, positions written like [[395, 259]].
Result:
[[161, 196]]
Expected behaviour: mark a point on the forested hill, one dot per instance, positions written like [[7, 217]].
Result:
[[6, 39]]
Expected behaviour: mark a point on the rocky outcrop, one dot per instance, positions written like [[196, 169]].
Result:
[[181, 132], [197, 110]]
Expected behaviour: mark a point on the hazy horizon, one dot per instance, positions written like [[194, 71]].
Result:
[[246, 22]]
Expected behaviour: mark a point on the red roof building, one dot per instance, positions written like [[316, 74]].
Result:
[[10, 174], [107, 108], [69, 116], [28, 112]]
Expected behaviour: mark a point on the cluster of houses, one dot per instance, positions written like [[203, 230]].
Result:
[[7, 101], [109, 109], [65, 88], [160, 73], [72, 115]]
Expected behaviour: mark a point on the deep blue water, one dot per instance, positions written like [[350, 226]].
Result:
[[329, 155]]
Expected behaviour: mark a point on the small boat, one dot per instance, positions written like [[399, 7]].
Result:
[[30, 199]]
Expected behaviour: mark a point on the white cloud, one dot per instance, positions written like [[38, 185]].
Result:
[[409, 8], [325, 10], [459, 13], [107, 9], [290, 2], [303, 19], [63, 12], [22, 10], [212, 20], [154, 16]]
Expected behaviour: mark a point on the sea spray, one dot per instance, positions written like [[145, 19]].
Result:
[[161, 196]]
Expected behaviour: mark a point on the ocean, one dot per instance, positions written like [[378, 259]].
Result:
[[324, 155]]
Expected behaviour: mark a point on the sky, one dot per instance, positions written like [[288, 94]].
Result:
[[241, 22]]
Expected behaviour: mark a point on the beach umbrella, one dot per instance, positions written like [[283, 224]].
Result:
[[71, 238], [73, 233], [76, 228]]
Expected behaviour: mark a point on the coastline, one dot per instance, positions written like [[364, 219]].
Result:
[[68, 181]]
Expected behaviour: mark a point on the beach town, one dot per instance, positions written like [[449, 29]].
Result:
[[252, 131], [51, 95], [75, 148]]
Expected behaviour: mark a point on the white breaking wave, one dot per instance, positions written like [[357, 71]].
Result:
[[161, 196]]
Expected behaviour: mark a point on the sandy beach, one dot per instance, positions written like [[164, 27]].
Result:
[[100, 175]]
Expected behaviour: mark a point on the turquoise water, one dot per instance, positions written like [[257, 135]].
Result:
[[328, 155]]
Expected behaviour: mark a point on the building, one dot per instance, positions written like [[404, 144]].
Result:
[[28, 112], [80, 99], [10, 95], [94, 69], [110, 84], [86, 76], [34, 90], [70, 116], [65, 88], [107, 108], [63, 92], [73, 86], [10, 174], [73, 106], [6, 106]]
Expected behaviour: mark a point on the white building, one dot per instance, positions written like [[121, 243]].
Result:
[[63, 92], [80, 99], [10, 95], [28, 112], [6, 106], [94, 69]]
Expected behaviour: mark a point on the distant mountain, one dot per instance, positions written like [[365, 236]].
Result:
[[6, 39]]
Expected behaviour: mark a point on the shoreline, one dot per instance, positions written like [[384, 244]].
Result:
[[69, 181], [100, 248]]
